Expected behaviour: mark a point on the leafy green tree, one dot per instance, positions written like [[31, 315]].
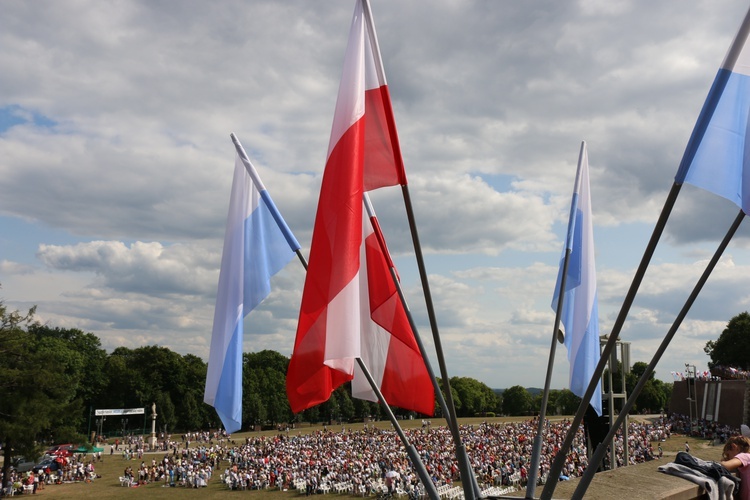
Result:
[[277, 404], [363, 409], [637, 370], [655, 394], [346, 405], [253, 409], [264, 388], [154, 374], [38, 386], [165, 409], [192, 411], [560, 401], [732, 348], [653, 397], [517, 401], [457, 403], [195, 413], [568, 402], [474, 396], [311, 414], [87, 359], [554, 401]]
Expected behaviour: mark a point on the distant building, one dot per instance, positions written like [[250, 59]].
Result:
[[723, 401]]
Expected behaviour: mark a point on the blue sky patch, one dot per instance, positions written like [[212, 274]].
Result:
[[13, 115]]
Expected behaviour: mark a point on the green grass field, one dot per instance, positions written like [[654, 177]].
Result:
[[112, 467]]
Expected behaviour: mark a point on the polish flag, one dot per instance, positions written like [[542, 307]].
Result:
[[388, 346], [341, 286]]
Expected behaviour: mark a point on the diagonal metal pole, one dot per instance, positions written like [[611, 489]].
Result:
[[417, 337], [559, 460], [402, 297], [537, 449], [288, 235], [410, 449], [602, 448], [416, 460], [471, 488], [696, 137]]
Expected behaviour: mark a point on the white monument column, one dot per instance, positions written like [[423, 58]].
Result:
[[152, 439]]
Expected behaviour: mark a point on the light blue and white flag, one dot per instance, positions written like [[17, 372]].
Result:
[[255, 248], [580, 312], [717, 157]]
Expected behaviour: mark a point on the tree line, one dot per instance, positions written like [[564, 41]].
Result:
[[53, 379]]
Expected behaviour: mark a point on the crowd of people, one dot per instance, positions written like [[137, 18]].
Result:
[[366, 460], [369, 458], [70, 469]]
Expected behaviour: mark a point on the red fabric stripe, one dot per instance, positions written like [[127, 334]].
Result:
[[383, 163], [334, 261], [366, 157], [406, 382]]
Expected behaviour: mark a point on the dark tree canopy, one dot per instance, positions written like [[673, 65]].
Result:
[[517, 400], [560, 401], [38, 383], [473, 398], [732, 348]]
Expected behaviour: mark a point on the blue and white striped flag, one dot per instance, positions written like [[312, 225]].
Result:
[[717, 157], [255, 248], [580, 313]]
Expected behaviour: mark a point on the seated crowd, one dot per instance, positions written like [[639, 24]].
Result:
[[373, 460], [363, 461]]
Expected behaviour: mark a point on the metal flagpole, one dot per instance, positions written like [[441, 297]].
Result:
[[417, 337], [267, 199], [709, 107], [559, 461], [470, 486], [413, 454], [410, 450], [602, 448], [537, 449]]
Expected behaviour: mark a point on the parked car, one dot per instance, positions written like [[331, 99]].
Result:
[[22, 464], [48, 463]]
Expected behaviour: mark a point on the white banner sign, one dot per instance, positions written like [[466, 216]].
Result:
[[124, 411]]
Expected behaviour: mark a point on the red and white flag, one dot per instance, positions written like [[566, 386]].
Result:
[[388, 347], [348, 292]]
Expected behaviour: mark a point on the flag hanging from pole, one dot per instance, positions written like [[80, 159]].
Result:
[[580, 312], [389, 348], [717, 157], [255, 248], [363, 155]]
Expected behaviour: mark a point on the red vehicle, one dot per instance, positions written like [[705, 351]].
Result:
[[61, 450]]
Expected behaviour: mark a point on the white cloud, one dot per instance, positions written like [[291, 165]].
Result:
[[143, 267], [115, 173]]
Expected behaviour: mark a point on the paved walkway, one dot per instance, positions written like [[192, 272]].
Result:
[[636, 482]]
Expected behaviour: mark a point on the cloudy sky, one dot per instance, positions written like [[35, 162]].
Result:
[[116, 163]]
